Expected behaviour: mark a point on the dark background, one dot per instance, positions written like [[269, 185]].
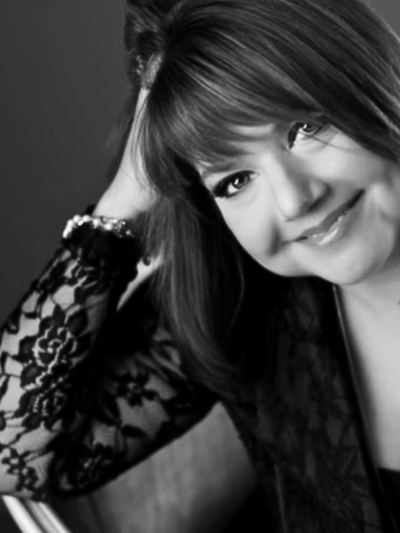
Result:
[[61, 87]]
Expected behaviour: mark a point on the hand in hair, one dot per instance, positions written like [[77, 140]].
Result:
[[129, 194]]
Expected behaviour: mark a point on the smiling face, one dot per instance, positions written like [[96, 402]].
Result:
[[305, 199]]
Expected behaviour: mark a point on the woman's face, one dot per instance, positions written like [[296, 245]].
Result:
[[305, 199]]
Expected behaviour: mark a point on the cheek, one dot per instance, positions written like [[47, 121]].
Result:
[[258, 234], [346, 162], [254, 227]]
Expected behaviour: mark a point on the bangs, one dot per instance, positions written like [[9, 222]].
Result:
[[197, 116], [218, 78], [225, 69]]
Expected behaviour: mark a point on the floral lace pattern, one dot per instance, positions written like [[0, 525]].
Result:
[[75, 402]]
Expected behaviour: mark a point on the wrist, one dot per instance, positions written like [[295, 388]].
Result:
[[126, 197], [104, 243], [112, 209]]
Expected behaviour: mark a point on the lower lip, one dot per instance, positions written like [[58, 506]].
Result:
[[336, 231]]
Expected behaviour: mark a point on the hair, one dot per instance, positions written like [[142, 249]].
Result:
[[210, 66]]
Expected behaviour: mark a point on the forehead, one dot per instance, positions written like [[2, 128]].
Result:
[[248, 135]]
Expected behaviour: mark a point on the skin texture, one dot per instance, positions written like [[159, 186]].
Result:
[[129, 194], [296, 175]]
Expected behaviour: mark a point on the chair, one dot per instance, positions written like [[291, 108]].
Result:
[[195, 485]]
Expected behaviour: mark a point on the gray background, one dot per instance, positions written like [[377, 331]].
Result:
[[61, 85]]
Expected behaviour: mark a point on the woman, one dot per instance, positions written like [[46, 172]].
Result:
[[261, 177]]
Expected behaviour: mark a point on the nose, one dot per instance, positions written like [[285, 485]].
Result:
[[295, 189]]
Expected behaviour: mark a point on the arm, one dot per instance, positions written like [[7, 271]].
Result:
[[76, 412], [65, 400], [140, 401]]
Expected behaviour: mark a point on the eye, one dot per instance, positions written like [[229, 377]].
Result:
[[232, 185], [308, 130]]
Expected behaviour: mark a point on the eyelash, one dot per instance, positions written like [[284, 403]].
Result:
[[221, 189], [320, 126]]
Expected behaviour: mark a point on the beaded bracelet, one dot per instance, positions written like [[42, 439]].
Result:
[[117, 226], [105, 243]]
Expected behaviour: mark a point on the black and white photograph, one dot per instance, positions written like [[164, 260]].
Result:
[[200, 279]]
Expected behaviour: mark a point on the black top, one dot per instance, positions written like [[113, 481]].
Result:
[[390, 480]]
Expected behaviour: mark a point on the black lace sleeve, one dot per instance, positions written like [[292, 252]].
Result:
[[85, 392]]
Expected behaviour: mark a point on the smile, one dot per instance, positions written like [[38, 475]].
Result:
[[331, 227]]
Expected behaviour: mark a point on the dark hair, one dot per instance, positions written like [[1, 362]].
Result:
[[211, 65]]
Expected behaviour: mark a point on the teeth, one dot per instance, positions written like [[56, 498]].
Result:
[[326, 237]]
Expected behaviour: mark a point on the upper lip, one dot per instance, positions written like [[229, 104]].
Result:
[[330, 219]]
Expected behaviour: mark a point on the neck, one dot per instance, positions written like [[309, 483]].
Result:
[[380, 291]]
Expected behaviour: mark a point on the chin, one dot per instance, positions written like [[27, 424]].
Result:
[[347, 265], [354, 270]]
